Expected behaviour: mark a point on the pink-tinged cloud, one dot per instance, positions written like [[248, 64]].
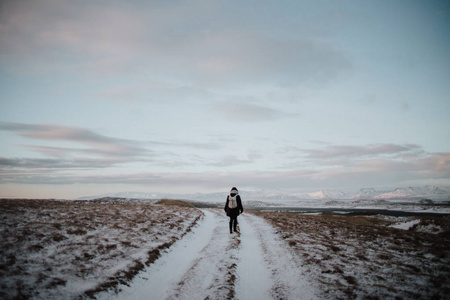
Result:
[[99, 144], [439, 162], [360, 173], [55, 35], [157, 40]]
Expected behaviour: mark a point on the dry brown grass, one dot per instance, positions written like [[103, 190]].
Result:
[[360, 257], [173, 202]]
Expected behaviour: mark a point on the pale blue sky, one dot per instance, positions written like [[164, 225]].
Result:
[[199, 96]]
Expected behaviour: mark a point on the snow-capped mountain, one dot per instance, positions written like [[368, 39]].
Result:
[[429, 192], [329, 194], [412, 193]]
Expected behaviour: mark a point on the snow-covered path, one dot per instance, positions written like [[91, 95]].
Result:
[[211, 263]]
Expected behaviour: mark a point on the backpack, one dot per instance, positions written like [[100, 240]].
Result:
[[232, 202]]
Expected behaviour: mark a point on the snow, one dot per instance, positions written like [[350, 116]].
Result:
[[254, 280], [405, 225], [211, 263], [162, 277], [328, 194], [288, 280], [53, 248], [419, 226], [62, 249], [362, 258], [430, 192]]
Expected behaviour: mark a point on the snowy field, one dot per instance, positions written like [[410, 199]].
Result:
[[65, 249], [136, 249], [357, 257]]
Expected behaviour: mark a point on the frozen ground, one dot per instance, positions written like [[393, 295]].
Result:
[[121, 249], [211, 263], [356, 257], [65, 249]]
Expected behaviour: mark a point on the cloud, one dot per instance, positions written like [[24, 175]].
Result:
[[365, 173], [329, 166], [99, 144], [28, 163], [160, 180], [52, 35], [192, 41], [339, 151], [234, 56], [438, 162], [97, 151], [383, 164], [92, 150], [388, 172], [247, 112], [340, 166], [38, 163]]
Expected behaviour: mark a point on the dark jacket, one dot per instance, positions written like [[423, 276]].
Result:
[[234, 212]]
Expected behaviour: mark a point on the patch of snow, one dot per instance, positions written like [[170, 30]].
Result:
[[405, 225]]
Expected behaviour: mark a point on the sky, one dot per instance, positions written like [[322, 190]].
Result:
[[198, 96]]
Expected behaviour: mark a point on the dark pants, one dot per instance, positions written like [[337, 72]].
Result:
[[233, 222]]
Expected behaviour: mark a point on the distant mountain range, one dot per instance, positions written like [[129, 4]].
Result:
[[428, 192], [406, 193]]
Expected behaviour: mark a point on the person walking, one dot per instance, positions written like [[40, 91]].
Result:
[[233, 207]]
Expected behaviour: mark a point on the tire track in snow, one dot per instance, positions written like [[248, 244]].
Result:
[[286, 278], [254, 264], [212, 274], [253, 276], [202, 265], [210, 263]]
